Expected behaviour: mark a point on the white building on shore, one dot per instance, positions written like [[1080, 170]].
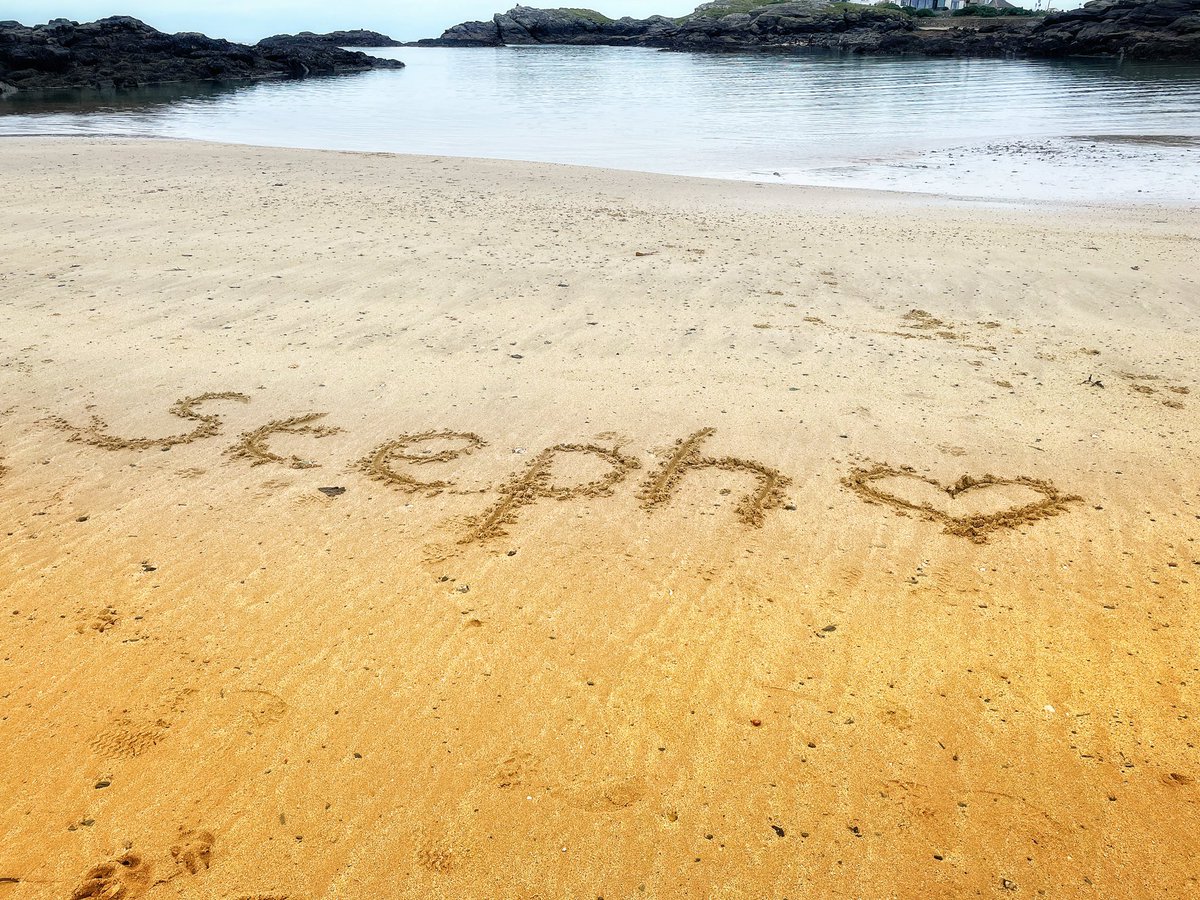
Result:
[[952, 5]]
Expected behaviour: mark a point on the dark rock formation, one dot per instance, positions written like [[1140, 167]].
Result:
[[954, 37], [357, 38], [1135, 29], [124, 52], [526, 25], [466, 34], [787, 25], [777, 26], [1128, 29]]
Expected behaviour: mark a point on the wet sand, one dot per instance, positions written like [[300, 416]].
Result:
[[679, 538]]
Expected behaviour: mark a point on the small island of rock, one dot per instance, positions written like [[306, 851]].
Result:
[[123, 52]]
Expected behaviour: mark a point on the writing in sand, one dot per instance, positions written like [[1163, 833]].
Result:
[[1017, 500]]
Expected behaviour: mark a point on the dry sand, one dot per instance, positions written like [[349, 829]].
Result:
[[744, 633]]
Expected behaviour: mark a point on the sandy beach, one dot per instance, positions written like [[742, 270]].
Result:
[[382, 526]]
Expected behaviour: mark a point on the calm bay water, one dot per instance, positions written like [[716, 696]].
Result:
[[995, 129]]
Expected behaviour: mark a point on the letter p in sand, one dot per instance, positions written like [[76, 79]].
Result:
[[537, 481]]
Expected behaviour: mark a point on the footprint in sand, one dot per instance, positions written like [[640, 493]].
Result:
[[1176, 779], [520, 770], [917, 324], [517, 770], [192, 850], [271, 487], [123, 878], [100, 620], [898, 717], [610, 795], [930, 808], [131, 736], [436, 858], [257, 709], [1157, 387]]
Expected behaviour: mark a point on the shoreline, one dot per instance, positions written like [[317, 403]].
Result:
[[392, 526], [915, 196]]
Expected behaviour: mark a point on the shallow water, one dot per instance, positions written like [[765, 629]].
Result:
[[1015, 130]]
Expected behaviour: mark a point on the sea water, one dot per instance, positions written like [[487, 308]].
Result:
[[1085, 131]]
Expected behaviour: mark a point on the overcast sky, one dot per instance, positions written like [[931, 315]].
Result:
[[250, 20]]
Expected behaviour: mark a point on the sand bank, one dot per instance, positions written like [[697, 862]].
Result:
[[679, 538]]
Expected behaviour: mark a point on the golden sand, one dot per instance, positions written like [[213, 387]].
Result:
[[407, 527]]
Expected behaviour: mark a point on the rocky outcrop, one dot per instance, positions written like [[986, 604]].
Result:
[[523, 25], [777, 26], [1127, 29], [1136, 29], [791, 25], [125, 52], [1133, 29], [466, 34], [356, 38], [1007, 37], [526, 25]]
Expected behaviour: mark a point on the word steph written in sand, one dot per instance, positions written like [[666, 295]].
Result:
[[398, 463]]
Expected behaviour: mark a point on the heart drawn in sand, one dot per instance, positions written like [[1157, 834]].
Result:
[[974, 526]]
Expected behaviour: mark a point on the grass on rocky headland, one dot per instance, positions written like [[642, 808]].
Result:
[[589, 14], [722, 8]]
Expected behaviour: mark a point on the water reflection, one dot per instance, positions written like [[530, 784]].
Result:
[[105, 100]]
